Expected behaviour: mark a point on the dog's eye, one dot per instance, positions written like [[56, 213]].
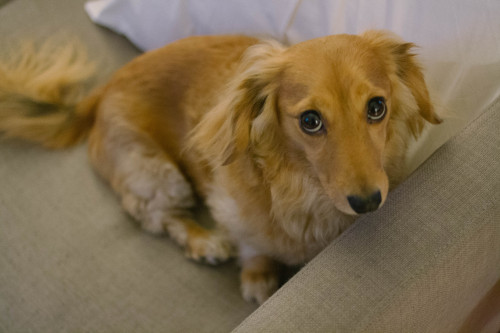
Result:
[[310, 122], [376, 109]]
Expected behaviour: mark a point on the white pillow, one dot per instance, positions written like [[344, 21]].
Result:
[[459, 39]]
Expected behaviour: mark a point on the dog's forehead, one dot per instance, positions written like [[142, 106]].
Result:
[[332, 49], [334, 62]]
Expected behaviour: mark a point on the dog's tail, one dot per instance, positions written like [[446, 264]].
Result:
[[41, 94]]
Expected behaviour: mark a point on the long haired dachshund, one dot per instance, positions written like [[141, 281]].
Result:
[[285, 145]]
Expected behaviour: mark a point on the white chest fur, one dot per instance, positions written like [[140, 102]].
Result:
[[301, 220]]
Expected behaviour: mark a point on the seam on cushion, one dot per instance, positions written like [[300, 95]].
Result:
[[490, 106]]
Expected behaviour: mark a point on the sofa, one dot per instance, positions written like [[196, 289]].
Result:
[[72, 261]]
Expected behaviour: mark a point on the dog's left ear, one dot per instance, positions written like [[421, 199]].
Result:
[[224, 133], [407, 69], [253, 88]]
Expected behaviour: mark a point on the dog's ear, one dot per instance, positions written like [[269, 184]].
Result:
[[408, 71], [224, 132]]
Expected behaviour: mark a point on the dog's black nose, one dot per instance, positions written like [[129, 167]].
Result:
[[365, 204]]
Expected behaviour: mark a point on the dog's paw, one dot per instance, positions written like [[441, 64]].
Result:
[[258, 285], [260, 278], [209, 247]]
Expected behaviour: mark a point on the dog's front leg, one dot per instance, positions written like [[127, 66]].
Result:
[[260, 277]]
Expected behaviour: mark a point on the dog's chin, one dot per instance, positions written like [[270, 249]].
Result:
[[342, 205]]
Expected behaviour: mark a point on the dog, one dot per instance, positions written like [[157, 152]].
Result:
[[284, 145]]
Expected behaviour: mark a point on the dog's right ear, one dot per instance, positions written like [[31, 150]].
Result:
[[224, 132]]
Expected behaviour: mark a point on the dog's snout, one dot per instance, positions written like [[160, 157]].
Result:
[[365, 204]]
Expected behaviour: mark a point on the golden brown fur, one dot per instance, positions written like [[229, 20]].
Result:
[[219, 117], [39, 91]]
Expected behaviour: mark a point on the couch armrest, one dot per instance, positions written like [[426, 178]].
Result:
[[419, 264]]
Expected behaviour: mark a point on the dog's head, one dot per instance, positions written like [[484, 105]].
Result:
[[341, 107]]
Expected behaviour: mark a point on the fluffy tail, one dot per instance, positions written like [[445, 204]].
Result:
[[41, 94]]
